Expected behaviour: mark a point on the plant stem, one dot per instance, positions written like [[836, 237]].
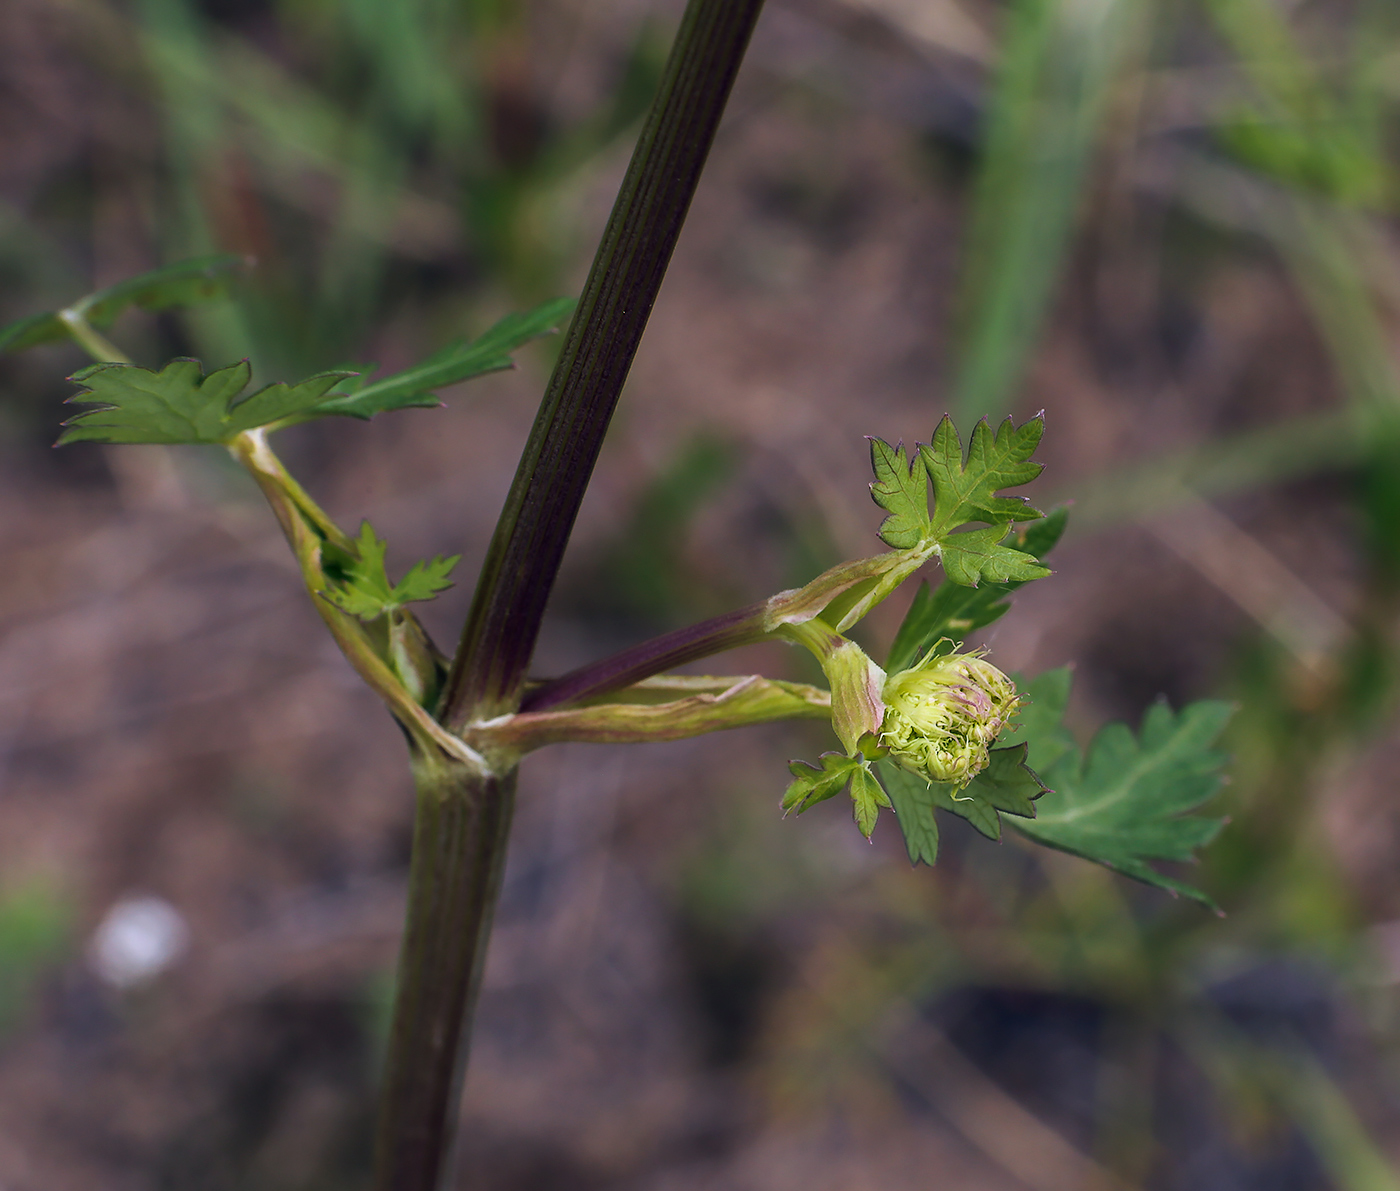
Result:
[[743, 627], [739, 704], [99, 347], [463, 818], [845, 593], [459, 848], [523, 559]]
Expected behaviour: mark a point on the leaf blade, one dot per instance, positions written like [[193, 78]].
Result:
[[460, 361], [1129, 799], [901, 489]]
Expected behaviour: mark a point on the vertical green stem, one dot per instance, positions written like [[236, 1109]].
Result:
[[463, 816], [459, 848]]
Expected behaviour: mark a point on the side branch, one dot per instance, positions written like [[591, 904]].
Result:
[[740, 703], [842, 595]]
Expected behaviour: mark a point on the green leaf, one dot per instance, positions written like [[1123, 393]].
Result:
[[459, 361], [970, 557], [360, 584], [811, 785], [1007, 786], [868, 798], [914, 804], [953, 610], [179, 404], [183, 284], [32, 331], [1042, 717], [965, 491], [426, 579], [1128, 800], [901, 488]]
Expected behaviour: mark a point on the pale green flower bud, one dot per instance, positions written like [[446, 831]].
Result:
[[943, 715]]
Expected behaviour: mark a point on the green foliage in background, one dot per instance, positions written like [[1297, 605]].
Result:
[[1291, 161], [35, 928]]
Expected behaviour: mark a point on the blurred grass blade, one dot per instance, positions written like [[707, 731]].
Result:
[[1060, 62]]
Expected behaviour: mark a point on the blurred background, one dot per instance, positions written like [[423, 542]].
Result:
[[1171, 224]]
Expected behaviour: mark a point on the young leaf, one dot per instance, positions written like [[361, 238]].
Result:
[[1007, 786], [457, 362], [953, 611], [182, 284], [1128, 800], [811, 785], [868, 798], [966, 492], [361, 585], [179, 404], [975, 555], [901, 488]]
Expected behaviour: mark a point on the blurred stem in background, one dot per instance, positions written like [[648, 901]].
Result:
[[1060, 62]]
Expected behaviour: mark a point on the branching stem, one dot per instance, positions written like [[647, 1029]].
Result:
[[498, 640], [462, 820]]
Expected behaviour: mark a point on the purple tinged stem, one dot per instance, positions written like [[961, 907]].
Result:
[[498, 640], [690, 644]]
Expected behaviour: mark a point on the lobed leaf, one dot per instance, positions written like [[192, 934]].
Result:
[[965, 491], [459, 361], [360, 584], [179, 404], [977, 554], [185, 283], [901, 488], [1128, 800], [867, 798], [914, 802], [32, 331], [1007, 786], [811, 785]]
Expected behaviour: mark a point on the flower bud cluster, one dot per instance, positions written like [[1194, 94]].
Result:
[[943, 715]]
